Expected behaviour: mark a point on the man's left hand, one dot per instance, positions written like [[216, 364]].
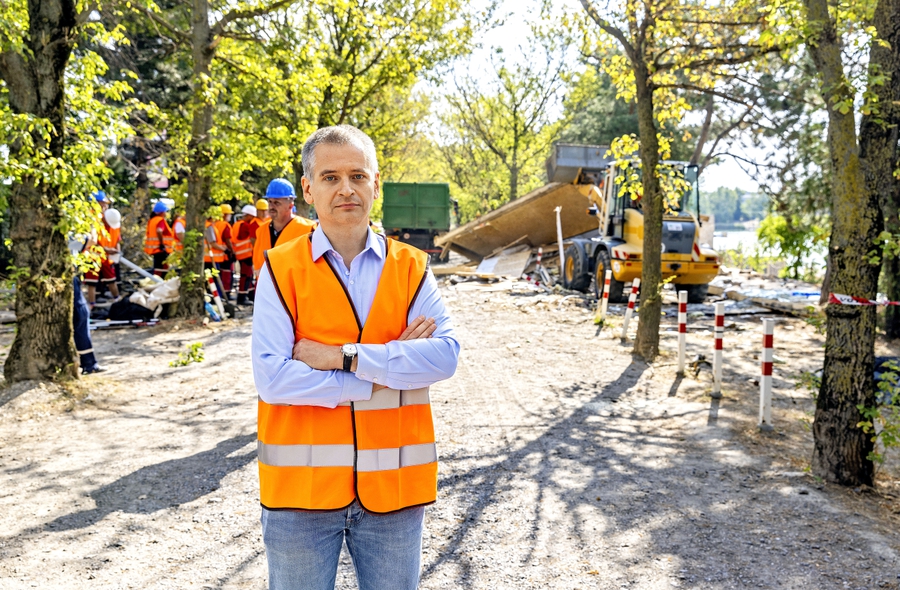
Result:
[[322, 357]]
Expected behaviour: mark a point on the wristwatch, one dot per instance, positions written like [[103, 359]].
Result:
[[349, 352]]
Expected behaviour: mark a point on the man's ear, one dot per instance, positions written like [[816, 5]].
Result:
[[307, 195], [377, 184]]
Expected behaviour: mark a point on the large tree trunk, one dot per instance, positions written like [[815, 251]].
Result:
[[841, 447], [889, 59], [647, 342], [43, 347], [193, 282]]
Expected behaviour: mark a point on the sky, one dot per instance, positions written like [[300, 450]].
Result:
[[515, 15]]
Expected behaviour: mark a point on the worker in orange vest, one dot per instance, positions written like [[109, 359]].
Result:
[[349, 332], [107, 243], [244, 232], [158, 241], [215, 252], [262, 210], [178, 230], [282, 224], [226, 267]]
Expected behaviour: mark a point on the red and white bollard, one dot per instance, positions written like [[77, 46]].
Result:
[[765, 380], [603, 304], [718, 332], [632, 298], [682, 329], [215, 295]]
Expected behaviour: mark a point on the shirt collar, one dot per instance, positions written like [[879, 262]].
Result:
[[321, 244]]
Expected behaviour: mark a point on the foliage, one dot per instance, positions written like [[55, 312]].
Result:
[[193, 354], [882, 420], [796, 242], [731, 205], [496, 132]]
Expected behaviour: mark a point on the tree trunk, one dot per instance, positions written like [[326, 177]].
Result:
[[43, 347], [302, 206], [841, 448], [193, 282], [889, 59], [647, 342]]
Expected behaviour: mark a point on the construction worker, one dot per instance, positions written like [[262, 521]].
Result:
[[105, 244], [244, 232], [226, 267], [178, 230], [159, 238], [282, 225], [262, 210], [349, 332], [215, 252]]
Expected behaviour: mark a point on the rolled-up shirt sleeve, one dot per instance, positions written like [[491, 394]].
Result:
[[413, 364], [279, 378]]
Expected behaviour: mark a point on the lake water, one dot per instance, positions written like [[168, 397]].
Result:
[[745, 240]]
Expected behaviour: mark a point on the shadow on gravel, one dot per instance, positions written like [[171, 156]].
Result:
[[488, 481], [159, 486], [693, 504]]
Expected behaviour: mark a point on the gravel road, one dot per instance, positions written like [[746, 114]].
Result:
[[565, 463]]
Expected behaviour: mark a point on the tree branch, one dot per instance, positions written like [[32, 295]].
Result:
[[235, 15]]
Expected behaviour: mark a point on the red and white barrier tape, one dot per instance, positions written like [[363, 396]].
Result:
[[851, 300]]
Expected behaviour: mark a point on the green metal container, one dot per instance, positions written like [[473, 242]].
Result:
[[416, 205]]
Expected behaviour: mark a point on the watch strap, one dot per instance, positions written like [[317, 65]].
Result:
[[348, 361]]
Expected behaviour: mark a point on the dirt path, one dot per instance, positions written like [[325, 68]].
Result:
[[565, 464]]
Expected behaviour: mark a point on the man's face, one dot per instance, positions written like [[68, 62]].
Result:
[[343, 186], [227, 217], [280, 209], [104, 205]]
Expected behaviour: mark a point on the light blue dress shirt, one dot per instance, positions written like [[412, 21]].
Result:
[[410, 364]]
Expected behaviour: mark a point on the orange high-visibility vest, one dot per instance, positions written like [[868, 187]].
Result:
[[243, 249], [379, 451], [151, 240], [210, 254], [111, 238], [295, 228], [179, 245]]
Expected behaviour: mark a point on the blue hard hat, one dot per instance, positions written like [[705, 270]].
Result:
[[160, 207], [280, 189], [100, 197]]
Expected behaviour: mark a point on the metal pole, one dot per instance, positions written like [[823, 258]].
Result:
[[719, 332], [632, 298], [682, 329], [562, 253], [765, 380]]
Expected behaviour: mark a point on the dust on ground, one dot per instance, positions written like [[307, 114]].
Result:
[[565, 463]]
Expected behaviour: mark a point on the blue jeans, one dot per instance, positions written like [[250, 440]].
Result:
[[303, 548]]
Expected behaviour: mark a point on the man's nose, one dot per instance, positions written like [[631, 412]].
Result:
[[345, 189]]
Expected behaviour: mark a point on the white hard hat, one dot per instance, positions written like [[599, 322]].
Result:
[[248, 210], [113, 218]]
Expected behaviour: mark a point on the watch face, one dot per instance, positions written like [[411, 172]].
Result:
[[349, 349]]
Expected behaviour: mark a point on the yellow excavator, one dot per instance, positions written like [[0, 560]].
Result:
[[619, 243]]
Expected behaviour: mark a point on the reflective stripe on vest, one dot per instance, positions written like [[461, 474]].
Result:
[[298, 226], [151, 239], [380, 451], [242, 248]]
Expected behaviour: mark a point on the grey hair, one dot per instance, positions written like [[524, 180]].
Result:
[[337, 135]]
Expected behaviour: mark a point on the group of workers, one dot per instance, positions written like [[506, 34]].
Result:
[[244, 242]]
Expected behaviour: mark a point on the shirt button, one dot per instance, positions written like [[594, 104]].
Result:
[[351, 282]]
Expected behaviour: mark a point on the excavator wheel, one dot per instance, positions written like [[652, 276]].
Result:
[[576, 275], [616, 288]]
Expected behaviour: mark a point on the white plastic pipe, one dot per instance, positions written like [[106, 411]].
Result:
[[765, 380], [719, 332], [562, 253], [140, 270], [682, 329], [632, 298]]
